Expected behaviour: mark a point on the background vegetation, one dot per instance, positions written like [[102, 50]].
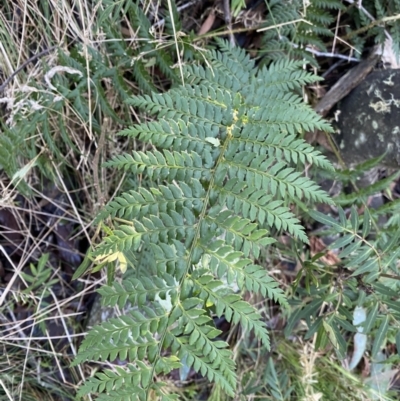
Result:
[[78, 63]]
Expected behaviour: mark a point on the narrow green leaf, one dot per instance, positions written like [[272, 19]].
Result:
[[394, 305], [322, 338], [369, 266], [366, 224], [325, 219], [384, 290], [82, 267], [350, 249], [380, 336], [371, 318], [398, 342], [341, 347], [342, 242], [360, 257], [354, 219]]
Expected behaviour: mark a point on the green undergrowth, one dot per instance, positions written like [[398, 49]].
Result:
[[63, 109], [209, 201], [225, 165]]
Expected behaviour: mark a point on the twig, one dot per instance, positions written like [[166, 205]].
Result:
[[180, 8], [267, 28], [22, 66], [345, 84], [334, 55], [238, 30], [228, 21], [373, 23], [327, 54], [96, 158], [332, 67], [212, 34]]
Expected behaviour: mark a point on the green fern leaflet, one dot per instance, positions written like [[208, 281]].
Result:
[[225, 164]]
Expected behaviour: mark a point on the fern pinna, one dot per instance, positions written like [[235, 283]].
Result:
[[221, 169]]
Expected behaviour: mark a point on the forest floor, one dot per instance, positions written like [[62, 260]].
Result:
[[54, 185]]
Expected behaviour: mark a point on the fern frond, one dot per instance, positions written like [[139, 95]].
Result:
[[363, 193], [142, 77], [231, 306], [206, 366], [225, 262], [230, 56], [331, 4], [203, 76], [241, 232], [148, 46], [128, 384], [181, 166], [138, 291], [233, 62], [134, 377], [272, 115], [254, 279], [195, 339], [285, 75], [260, 172], [130, 336], [225, 158], [181, 107], [173, 13], [291, 149], [256, 205], [293, 38], [152, 229], [175, 135], [137, 204], [11, 143]]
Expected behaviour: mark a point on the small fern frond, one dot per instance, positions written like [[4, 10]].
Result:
[[229, 56], [316, 20], [175, 135], [254, 279], [291, 149], [129, 336], [241, 232], [279, 179], [256, 205], [232, 61], [148, 46], [142, 77], [285, 75], [231, 306], [11, 144], [133, 378], [363, 193], [206, 365], [138, 292], [227, 263], [195, 337], [157, 165], [137, 204]]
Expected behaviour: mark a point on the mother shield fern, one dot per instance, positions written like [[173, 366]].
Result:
[[221, 169]]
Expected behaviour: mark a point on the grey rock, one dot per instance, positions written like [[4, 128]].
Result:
[[367, 121]]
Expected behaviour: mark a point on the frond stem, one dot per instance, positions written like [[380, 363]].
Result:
[[195, 238]]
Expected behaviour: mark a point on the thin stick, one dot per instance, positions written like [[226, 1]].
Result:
[[21, 67], [228, 21]]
